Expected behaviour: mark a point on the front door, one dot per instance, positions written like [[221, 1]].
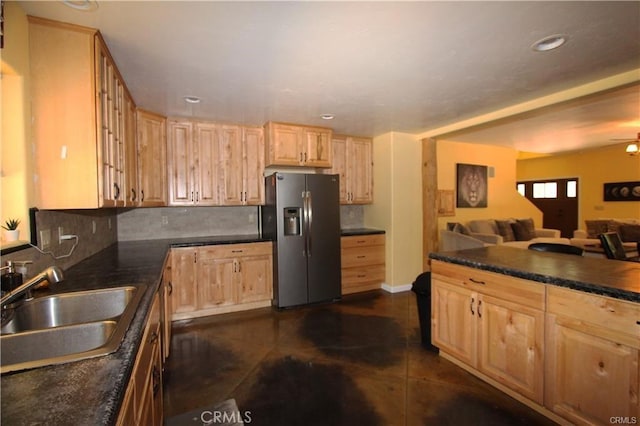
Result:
[[558, 201]]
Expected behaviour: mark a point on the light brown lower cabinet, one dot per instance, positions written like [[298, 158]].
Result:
[[593, 358], [363, 262], [492, 323], [572, 356], [142, 404], [216, 279]]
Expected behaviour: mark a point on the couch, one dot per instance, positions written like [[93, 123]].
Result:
[[509, 232], [628, 229]]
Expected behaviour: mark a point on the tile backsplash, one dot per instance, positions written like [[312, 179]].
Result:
[[113, 225], [177, 222], [81, 223]]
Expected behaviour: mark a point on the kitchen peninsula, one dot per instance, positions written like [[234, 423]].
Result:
[[560, 333]]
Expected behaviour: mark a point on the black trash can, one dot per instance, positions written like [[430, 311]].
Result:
[[422, 288]]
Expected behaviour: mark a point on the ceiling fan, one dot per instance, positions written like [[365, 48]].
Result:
[[632, 148]]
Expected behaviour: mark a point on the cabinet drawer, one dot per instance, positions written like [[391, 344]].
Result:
[[524, 292], [235, 250], [362, 240], [619, 316], [363, 256], [358, 276]]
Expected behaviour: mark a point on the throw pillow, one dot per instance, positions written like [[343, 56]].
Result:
[[596, 227], [458, 227], [529, 228], [521, 232], [629, 233], [504, 229]]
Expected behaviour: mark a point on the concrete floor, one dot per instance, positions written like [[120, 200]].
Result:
[[354, 362]]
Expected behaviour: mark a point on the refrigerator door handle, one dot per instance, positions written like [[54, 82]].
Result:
[[310, 219], [305, 221]]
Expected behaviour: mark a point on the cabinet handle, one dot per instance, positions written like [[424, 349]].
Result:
[[361, 257], [197, 196], [236, 251], [305, 157], [479, 308], [192, 196], [142, 193], [477, 281], [471, 306], [170, 286], [361, 241], [153, 338], [361, 276], [301, 157], [239, 268], [117, 189], [133, 194]]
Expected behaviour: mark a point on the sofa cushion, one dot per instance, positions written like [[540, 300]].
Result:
[[596, 227], [458, 227], [524, 229], [484, 226], [629, 233], [504, 229], [521, 232]]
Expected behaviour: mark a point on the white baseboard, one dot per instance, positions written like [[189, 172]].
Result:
[[396, 288]]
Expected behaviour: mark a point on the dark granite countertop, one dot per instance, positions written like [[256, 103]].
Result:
[[90, 392], [606, 277], [361, 231]]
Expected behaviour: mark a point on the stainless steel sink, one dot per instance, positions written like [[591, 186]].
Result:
[[69, 308], [67, 327]]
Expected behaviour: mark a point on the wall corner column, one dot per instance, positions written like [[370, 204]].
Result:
[[429, 204]]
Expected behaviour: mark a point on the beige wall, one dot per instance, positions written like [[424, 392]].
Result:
[[397, 204], [503, 199], [17, 189], [593, 168]]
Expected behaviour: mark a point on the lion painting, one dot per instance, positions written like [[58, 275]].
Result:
[[472, 186]]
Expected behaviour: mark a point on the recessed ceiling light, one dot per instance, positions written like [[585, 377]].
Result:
[[84, 5], [549, 43], [327, 116], [192, 99]]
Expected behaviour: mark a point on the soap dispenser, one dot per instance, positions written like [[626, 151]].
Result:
[[10, 279]]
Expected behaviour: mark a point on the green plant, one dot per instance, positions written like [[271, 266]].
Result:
[[11, 224]]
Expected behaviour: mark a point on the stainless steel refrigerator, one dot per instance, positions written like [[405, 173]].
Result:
[[302, 216]]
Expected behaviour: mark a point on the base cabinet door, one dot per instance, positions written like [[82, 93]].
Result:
[[255, 281], [453, 324], [510, 345], [591, 380], [215, 280], [183, 278]]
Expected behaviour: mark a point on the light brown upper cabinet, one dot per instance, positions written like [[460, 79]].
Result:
[[152, 158], [78, 104], [353, 161], [242, 165], [295, 145], [193, 155]]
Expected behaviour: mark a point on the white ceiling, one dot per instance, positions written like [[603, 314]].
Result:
[[378, 66]]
